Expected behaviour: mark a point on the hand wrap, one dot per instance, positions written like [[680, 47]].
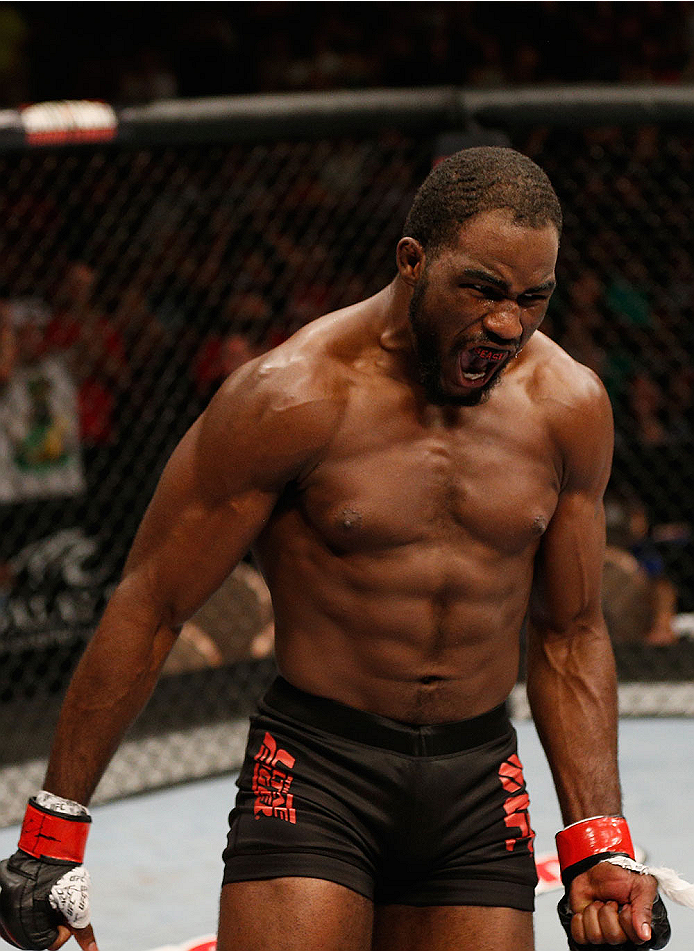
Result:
[[584, 844], [44, 883]]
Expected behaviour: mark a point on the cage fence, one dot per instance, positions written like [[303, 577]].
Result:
[[139, 266]]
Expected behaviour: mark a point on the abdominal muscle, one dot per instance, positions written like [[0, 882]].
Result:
[[418, 652]]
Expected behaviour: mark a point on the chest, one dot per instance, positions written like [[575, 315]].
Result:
[[393, 479]]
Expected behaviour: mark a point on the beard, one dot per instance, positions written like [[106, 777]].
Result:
[[429, 362]]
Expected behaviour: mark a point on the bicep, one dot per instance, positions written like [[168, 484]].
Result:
[[220, 487], [569, 563], [195, 530]]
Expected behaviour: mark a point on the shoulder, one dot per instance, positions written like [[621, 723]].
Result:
[[577, 409], [560, 379], [276, 414]]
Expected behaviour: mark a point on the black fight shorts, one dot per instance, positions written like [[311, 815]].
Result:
[[407, 815]]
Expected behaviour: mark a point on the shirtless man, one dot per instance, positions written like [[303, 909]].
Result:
[[409, 515]]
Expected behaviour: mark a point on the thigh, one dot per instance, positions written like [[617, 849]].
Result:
[[452, 928], [293, 914]]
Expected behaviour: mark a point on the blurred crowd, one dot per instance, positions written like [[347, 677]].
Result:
[[133, 281], [135, 53], [84, 391], [193, 263]]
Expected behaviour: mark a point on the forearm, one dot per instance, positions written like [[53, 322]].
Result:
[[572, 689], [110, 686]]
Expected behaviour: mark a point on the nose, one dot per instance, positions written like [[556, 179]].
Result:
[[503, 321]]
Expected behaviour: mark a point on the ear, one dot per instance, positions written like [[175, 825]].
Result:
[[411, 258]]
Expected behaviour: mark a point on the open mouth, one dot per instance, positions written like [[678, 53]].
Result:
[[478, 365]]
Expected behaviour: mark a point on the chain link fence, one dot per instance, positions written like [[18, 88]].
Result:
[[135, 273]]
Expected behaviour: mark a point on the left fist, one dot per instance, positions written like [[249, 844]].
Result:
[[608, 905]]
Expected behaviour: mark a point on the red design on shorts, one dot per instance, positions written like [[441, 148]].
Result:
[[271, 782], [516, 805]]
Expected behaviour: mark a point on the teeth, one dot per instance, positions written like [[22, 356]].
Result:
[[473, 376]]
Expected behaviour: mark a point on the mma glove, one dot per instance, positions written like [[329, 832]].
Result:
[[586, 843], [44, 883]]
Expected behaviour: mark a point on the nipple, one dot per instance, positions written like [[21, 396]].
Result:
[[351, 519]]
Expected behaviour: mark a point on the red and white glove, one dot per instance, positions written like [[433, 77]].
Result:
[[44, 883]]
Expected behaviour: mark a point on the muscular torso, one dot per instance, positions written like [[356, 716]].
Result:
[[401, 563], [401, 539]]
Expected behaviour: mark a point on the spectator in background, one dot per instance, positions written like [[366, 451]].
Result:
[[8, 344], [581, 335], [80, 332], [639, 600], [652, 563], [218, 356], [95, 349], [647, 404], [247, 317], [149, 408], [241, 48]]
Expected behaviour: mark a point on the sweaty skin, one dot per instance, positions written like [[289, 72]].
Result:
[[405, 535]]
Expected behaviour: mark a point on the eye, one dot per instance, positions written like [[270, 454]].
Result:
[[528, 300], [484, 291]]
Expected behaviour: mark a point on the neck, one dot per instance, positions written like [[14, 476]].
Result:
[[395, 331]]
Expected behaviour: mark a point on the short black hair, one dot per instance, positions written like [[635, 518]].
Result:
[[480, 179]]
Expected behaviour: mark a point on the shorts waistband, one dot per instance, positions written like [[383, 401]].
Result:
[[350, 723]]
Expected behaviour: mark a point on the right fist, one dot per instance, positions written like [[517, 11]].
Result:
[[44, 884], [36, 895]]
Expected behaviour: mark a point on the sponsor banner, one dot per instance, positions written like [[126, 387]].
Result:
[[58, 590], [40, 454]]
